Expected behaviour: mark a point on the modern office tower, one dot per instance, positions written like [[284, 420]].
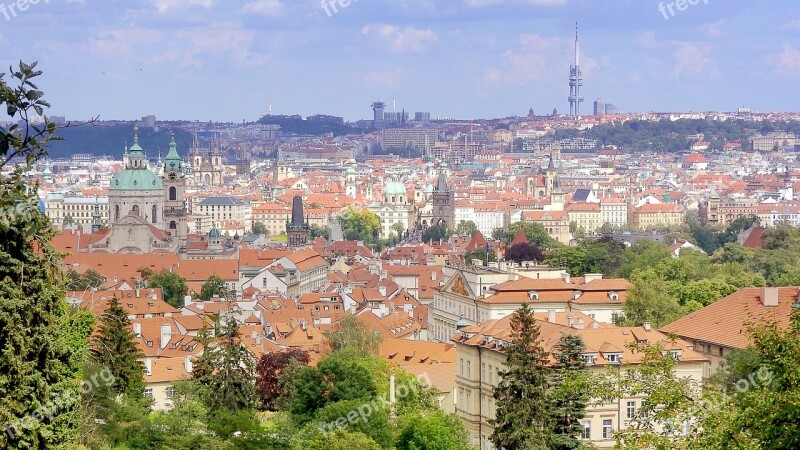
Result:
[[599, 107], [378, 120]]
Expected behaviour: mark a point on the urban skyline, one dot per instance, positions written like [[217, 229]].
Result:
[[453, 59]]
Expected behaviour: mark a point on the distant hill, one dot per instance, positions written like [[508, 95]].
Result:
[[300, 126], [111, 140]]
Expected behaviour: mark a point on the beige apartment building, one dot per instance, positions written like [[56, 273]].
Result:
[[480, 357], [585, 215], [657, 215], [555, 222]]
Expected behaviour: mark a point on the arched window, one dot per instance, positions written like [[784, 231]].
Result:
[[135, 210], [394, 199], [173, 225], [116, 212], [155, 214], [173, 193]]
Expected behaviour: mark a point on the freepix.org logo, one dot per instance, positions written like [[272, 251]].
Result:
[[672, 8], [331, 7], [11, 10]]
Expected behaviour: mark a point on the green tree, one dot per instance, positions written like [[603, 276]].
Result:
[[569, 392], [172, 285], [481, 255], [649, 301], [466, 227], [436, 233], [114, 348], [335, 378], [260, 228], [213, 286], [36, 366], [523, 402], [498, 234], [399, 229], [360, 225], [91, 279], [319, 230], [226, 368], [352, 337], [433, 430], [537, 234], [374, 424], [336, 440]]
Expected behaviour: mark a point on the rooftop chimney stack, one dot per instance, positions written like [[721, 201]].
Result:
[[551, 316], [148, 366], [769, 296], [647, 326], [137, 329], [187, 363], [166, 335]]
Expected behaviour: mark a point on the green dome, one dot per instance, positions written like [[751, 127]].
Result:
[[136, 180], [395, 188]]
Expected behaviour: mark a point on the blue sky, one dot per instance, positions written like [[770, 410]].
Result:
[[225, 59]]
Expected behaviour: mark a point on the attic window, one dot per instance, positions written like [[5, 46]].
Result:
[[533, 295], [614, 358], [613, 295], [130, 305]]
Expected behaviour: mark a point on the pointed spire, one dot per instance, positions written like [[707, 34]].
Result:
[[136, 134]]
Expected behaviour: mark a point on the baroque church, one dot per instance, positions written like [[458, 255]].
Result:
[[147, 211]]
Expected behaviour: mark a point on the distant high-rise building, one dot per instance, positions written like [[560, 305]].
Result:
[[599, 107], [148, 121], [395, 118], [575, 81], [611, 109], [378, 120], [424, 117]]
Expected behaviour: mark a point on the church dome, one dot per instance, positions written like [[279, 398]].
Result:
[[214, 232], [395, 188], [136, 180]]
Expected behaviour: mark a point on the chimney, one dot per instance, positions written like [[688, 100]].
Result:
[[137, 329], [647, 326], [187, 363], [148, 366], [433, 275], [138, 292], [166, 335], [580, 325], [589, 277], [595, 325], [382, 290], [769, 296], [569, 321], [567, 278], [187, 300], [551, 316]]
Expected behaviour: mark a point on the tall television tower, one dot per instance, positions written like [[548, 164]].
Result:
[[575, 81]]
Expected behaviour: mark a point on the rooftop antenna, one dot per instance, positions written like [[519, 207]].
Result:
[[270, 107], [394, 104]]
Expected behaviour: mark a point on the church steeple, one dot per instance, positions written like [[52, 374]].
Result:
[[173, 161], [136, 158]]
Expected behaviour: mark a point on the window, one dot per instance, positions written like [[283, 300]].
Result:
[[631, 410], [173, 193], [170, 391], [586, 434], [613, 358], [607, 434], [148, 392]]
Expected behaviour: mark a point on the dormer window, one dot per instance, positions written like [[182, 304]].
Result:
[[614, 358], [613, 296], [533, 295], [588, 358]]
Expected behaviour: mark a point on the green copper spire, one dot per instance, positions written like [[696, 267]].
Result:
[[173, 162], [135, 149]]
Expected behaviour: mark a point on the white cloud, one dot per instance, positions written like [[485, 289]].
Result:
[[410, 39], [714, 30], [384, 78], [792, 26], [165, 6], [538, 58], [483, 3], [269, 8], [694, 58], [219, 38], [787, 62]]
